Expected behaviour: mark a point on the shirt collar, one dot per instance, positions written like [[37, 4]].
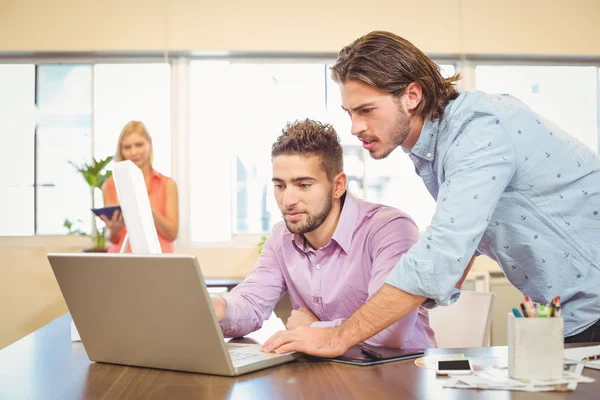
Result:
[[344, 229], [425, 146]]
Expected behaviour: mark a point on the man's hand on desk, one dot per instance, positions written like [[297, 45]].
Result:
[[300, 317], [324, 342], [220, 306]]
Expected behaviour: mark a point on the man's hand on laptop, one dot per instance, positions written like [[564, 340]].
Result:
[[300, 317], [324, 342], [220, 305]]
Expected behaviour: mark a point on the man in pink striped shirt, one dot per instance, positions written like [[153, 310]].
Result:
[[330, 253]]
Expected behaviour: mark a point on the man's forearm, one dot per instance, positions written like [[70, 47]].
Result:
[[384, 308]]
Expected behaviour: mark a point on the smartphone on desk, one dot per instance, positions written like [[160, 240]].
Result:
[[454, 367]]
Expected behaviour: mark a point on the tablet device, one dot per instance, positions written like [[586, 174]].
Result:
[[369, 355], [106, 211]]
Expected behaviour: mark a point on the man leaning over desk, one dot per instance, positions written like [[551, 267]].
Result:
[[330, 253], [508, 183]]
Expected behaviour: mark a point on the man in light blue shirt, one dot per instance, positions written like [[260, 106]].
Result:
[[508, 183]]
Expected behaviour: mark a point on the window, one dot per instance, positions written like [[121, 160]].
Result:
[[125, 92], [238, 110], [64, 133], [54, 113], [17, 126], [246, 106], [39, 185], [566, 95]]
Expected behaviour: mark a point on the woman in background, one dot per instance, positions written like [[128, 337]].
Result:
[[135, 144]]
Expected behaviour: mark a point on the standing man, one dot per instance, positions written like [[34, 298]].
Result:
[[508, 183]]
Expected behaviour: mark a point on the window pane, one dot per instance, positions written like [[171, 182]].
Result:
[[125, 92], [64, 97], [568, 96], [17, 124], [394, 182], [18, 202], [265, 97], [211, 155]]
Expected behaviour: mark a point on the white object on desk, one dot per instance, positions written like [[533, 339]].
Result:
[[577, 354], [498, 379], [535, 348], [268, 329]]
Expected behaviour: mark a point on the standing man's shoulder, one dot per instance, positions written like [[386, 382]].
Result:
[[470, 105]]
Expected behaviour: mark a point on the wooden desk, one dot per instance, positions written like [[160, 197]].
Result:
[[46, 365]]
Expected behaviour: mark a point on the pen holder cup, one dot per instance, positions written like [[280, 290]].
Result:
[[535, 347]]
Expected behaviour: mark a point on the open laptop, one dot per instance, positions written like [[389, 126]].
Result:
[[152, 311]]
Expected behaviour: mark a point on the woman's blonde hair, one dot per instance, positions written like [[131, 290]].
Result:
[[129, 128]]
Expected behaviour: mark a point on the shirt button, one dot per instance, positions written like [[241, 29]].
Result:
[[428, 155], [316, 299], [318, 266]]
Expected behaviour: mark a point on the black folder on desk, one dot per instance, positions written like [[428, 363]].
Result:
[[370, 355]]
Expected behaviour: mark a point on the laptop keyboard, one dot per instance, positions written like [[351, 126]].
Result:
[[237, 356]]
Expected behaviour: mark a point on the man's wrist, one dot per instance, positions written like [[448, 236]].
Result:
[[346, 334]]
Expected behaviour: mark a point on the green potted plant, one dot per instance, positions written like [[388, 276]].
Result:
[[95, 174], [261, 244]]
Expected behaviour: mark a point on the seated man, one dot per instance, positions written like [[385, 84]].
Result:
[[331, 252]]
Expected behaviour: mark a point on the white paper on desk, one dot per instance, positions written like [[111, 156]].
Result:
[[498, 379], [268, 329], [579, 353]]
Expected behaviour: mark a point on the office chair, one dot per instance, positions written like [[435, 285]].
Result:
[[466, 323]]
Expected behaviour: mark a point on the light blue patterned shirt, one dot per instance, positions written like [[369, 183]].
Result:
[[512, 185]]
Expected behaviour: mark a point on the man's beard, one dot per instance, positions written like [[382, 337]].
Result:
[[398, 134], [312, 221]]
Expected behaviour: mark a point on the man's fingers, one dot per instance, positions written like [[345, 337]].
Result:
[[274, 341], [271, 339], [286, 348]]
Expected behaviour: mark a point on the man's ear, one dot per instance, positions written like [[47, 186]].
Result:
[[414, 94], [339, 185]]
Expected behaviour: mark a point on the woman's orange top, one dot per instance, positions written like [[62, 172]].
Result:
[[157, 192]]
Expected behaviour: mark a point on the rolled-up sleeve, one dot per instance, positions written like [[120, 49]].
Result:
[[477, 169]]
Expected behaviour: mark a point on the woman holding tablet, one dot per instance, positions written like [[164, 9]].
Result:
[[135, 144]]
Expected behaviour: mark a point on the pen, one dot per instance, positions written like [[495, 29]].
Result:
[[530, 307], [592, 358], [524, 310], [516, 313], [370, 353], [557, 306]]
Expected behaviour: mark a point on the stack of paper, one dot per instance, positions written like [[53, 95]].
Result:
[[574, 356], [498, 379]]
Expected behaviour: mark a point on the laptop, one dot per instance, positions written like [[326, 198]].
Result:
[[151, 311]]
